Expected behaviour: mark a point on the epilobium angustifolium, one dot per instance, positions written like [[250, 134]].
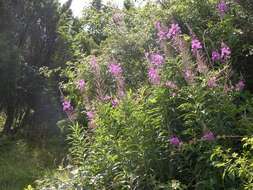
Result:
[[80, 84], [208, 136], [240, 85], [196, 45], [175, 141], [161, 31], [115, 69], [156, 59], [153, 75], [67, 106], [225, 52], [215, 56], [174, 30], [222, 8]]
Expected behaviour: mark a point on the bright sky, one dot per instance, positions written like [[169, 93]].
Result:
[[78, 5]]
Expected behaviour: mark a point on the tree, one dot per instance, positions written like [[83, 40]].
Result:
[[29, 40], [128, 4], [97, 4]]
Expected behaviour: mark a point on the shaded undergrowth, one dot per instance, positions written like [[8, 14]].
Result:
[[23, 161]]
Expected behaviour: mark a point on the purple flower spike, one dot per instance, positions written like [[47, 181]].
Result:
[[175, 141], [158, 25], [196, 45], [115, 69], [161, 31], [174, 31], [67, 106], [215, 56], [212, 82], [80, 84], [188, 75], [106, 98], [156, 59], [208, 136], [115, 103], [225, 52], [153, 75], [222, 7], [171, 85], [90, 115], [94, 63], [240, 85]]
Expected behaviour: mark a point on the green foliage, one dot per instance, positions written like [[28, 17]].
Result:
[[129, 148], [128, 145], [125, 148], [23, 162], [236, 166], [77, 143]]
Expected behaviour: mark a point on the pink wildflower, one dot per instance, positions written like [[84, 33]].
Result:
[[196, 45], [174, 30], [158, 25], [67, 106], [175, 141], [215, 56], [106, 98], [212, 82], [188, 75], [240, 85], [225, 52], [208, 136], [115, 102], [80, 84], [222, 7], [90, 115], [121, 92], [115, 69], [153, 75], [156, 59], [171, 85], [161, 31]]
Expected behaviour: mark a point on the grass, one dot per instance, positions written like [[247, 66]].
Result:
[[22, 162]]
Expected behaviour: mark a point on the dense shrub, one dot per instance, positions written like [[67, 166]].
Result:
[[156, 101]]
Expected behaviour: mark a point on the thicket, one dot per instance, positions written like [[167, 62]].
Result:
[[156, 97], [31, 47]]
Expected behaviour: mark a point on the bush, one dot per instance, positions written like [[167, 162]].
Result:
[[152, 105]]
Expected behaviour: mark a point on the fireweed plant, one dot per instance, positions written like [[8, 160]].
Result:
[[162, 134]]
